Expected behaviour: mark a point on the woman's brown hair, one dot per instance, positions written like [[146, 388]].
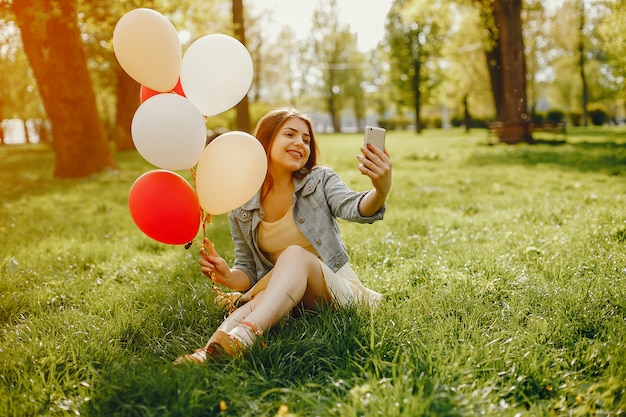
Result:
[[267, 129]]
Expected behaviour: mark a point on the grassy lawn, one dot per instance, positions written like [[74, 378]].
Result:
[[503, 269]]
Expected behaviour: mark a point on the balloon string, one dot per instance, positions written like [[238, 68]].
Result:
[[227, 300]]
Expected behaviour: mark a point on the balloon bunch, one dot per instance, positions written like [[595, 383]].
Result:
[[168, 129]]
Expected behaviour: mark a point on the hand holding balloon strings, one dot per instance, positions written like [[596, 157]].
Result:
[[216, 268], [228, 300]]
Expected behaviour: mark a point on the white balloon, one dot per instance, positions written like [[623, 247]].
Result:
[[230, 171], [216, 73], [148, 48], [169, 132]]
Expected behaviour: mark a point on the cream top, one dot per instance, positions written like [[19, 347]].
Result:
[[274, 237]]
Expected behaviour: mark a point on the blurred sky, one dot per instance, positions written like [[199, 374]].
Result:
[[365, 17]]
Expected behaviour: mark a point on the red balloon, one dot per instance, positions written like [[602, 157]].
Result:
[[165, 207], [178, 89], [146, 92]]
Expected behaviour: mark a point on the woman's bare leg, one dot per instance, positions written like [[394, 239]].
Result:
[[296, 277], [239, 315]]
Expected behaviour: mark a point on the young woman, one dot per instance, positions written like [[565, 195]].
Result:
[[287, 243]]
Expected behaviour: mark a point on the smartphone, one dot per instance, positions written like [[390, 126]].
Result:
[[375, 136]]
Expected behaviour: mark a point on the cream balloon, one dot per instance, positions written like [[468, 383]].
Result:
[[169, 132], [216, 73], [148, 48], [230, 171]]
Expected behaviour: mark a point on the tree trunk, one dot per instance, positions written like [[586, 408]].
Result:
[[467, 117], [509, 69], [42, 126], [332, 102], [417, 95], [242, 108], [334, 116], [127, 103], [53, 45], [26, 134], [581, 63], [1, 128]]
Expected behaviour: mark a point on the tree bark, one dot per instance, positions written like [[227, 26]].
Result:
[[507, 66], [415, 85], [26, 134], [334, 114], [467, 117], [53, 45], [581, 64], [332, 101], [127, 103], [1, 128], [242, 108]]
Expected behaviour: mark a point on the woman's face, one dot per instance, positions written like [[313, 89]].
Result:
[[291, 147]]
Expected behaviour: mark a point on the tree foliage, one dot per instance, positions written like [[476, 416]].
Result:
[[19, 98], [466, 79], [611, 32], [333, 56], [416, 32], [574, 45], [435, 55]]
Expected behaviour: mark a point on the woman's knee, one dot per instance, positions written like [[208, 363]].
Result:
[[301, 258], [297, 253]]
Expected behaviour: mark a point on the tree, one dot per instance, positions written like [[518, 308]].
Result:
[[126, 103], [581, 62], [242, 109], [465, 86], [354, 87], [52, 42], [19, 98], [539, 45], [578, 60], [117, 94], [333, 49], [416, 31], [507, 67], [591, 55], [612, 33], [377, 76]]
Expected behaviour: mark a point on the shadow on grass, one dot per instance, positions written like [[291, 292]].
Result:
[[300, 354], [603, 156], [28, 171]]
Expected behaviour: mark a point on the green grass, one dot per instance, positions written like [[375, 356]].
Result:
[[503, 269]]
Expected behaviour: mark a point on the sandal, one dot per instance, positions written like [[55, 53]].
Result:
[[223, 343], [220, 344], [199, 356]]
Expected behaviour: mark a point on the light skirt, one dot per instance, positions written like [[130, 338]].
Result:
[[344, 287]]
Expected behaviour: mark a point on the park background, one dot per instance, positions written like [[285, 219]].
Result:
[[503, 266], [437, 64]]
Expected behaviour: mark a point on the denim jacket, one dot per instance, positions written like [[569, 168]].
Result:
[[319, 199]]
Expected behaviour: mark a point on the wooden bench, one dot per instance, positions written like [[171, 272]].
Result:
[[550, 127], [496, 128]]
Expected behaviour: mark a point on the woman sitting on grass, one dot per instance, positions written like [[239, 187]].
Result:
[[287, 243]]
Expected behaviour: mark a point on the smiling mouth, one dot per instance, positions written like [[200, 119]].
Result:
[[295, 154]]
